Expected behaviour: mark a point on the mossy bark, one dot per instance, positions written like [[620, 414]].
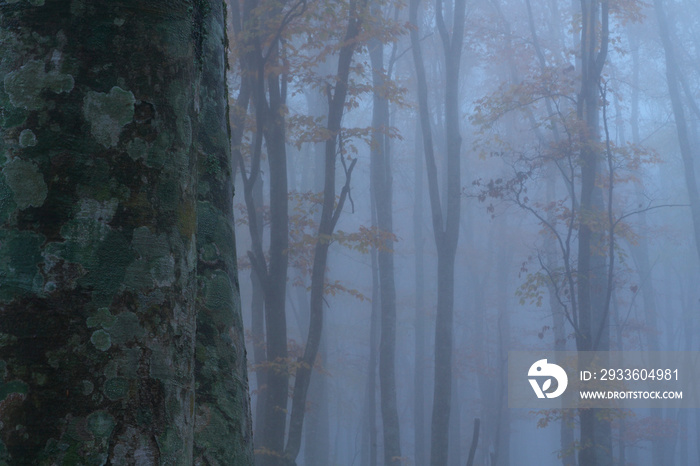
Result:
[[99, 237], [223, 431]]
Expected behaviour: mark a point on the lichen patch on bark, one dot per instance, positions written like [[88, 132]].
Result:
[[26, 183], [25, 85], [108, 113]]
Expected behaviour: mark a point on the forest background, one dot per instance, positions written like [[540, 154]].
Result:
[[425, 186]]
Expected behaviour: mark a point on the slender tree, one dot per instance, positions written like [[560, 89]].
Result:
[[330, 213], [381, 179], [674, 80], [261, 27], [593, 334], [445, 227], [419, 318]]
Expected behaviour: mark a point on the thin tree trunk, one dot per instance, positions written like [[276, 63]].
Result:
[[445, 227], [419, 319], [329, 217], [257, 309], [596, 442], [371, 415], [268, 95], [672, 78], [381, 179], [275, 283], [455, 433], [317, 429]]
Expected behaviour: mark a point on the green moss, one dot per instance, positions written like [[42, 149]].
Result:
[[144, 416], [26, 182], [27, 138], [163, 271], [126, 328], [186, 220], [101, 340], [184, 130], [39, 378], [218, 298], [170, 442], [113, 256], [138, 276], [116, 388], [161, 365], [100, 423], [137, 149], [7, 202], [86, 387], [24, 86], [102, 252], [200, 353], [212, 165], [82, 237], [101, 319], [210, 253], [21, 254], [108, 113], [128, 362], [4, 454], [149, 245], [7, 339], [168, 193], [14, 386], [214, 228], [101, 211]]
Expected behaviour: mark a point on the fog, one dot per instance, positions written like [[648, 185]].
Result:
[[554, 207]]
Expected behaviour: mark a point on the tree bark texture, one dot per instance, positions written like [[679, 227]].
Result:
[[119, 310]]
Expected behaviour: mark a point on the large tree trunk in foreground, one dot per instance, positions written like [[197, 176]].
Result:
[[223, 430], [101, 227]]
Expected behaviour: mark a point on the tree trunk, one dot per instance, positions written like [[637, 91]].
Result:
[[419, 319], [103, 300], [257, 310], [596, 442], [330, 213], [672, 78], [268, 95], [381, 178], [275, 283], [370, 420], [222, 399], [317, 427], [446, 231]]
